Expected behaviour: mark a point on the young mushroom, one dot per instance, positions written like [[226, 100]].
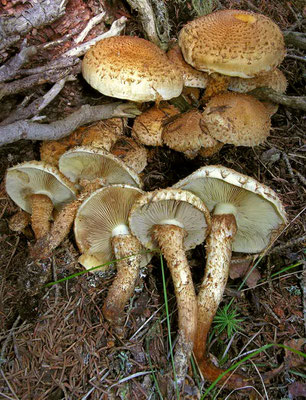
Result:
[[175, 221], [131, 68], [231, 43], [38, 188], [86, 162], [102, 235], [185, 134], [133, 154], [236, 118], [246, 217]]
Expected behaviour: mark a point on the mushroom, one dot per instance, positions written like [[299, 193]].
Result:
[[185, 134], [175, 221], [86, 162], [191, 76], [274, 80], [131, 68], [231, 43], [38, 188], [237, 119], [133, 154], [246, 217], [148, 126], [100, 134], [102, 235]]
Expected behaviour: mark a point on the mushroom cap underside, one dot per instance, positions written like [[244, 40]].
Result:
[[259, 212], [170, 207]]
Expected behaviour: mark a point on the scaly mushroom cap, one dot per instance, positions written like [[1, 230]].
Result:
[[169, 207], [103, 133], [87, 162], [131, 68], [237, 119], [275, 80], [185, 134], [102, 216], [191, 76], [131, 153], [232, 42], [36, 177], [258, 211], [148, 126]]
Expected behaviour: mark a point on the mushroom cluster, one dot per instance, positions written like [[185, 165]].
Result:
[[91, 178]]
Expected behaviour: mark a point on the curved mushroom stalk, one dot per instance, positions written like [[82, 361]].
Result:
[[127, 251], [42, 207], [62, 224], [219, 252], [170, 240]]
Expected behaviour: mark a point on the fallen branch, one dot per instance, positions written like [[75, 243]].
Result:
[[59, 129], [40, 14], [297, 39], [298, 102], [10, 69], [49, 76], [37, 105]]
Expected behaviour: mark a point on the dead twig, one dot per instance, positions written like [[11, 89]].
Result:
[[297, 39], [37, 105], [298, 102], [59, 129]]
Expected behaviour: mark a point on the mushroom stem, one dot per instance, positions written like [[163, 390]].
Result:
[[170, 240], [219, 252], [62, 224], [127, 251], [42, 208]]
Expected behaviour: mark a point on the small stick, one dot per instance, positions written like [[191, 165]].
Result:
[[94, 21]]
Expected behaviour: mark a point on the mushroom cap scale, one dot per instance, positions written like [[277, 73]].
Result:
[[37, 177], [85, 162], [232, 42], [103, 215], [258, 211], [172, 207], [131, 68]]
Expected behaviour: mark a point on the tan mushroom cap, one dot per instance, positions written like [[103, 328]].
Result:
[[131, 68], [37, 177], [185, 134], [102, 216], [275, 80], [85, 162], [133, 154], [258, 211], [237, 119], [104, 133], [148, 126], [170, 207], [191, 76], [233, 42]]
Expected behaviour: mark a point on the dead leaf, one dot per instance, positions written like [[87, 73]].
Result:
[[241, 269], [292, 359], [297, 389]]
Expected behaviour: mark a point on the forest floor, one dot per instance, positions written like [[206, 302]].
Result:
[[64, 349]]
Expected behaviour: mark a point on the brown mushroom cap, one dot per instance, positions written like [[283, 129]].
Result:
[[131, 68], [185, 134], [133, 154], [36, 177], [88, 163], [232, 42], [148, 126], [237, 119], [191, 76]]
